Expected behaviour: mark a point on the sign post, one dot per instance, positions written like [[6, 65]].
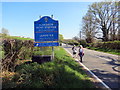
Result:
[[46, 33], [52, 53]]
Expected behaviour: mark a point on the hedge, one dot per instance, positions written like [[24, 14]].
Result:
[[106, 45]]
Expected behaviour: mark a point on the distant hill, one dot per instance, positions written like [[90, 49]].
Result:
[[14, 37]]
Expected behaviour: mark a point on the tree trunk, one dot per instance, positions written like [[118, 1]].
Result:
[[105, 33]]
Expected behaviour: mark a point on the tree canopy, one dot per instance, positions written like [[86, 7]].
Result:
[[101, 17]]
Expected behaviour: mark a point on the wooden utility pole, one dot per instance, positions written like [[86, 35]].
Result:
[[80, 37]]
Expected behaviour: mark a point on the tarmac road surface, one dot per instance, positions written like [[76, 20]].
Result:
[[105, 66]]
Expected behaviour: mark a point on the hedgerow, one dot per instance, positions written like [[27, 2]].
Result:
[[62, 72], [15, 49], [112, 47], [107, 45]]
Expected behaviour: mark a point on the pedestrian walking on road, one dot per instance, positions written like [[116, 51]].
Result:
[[81, 52], [74, 49]]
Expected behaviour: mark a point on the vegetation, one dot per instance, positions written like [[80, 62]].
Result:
[[61, 38], [20, 72], [70, 42], [4, 32], [101, 18], [89, 28], [112, 47], [101, 24], [15, 49], [20, 38], [107, 45], [42, 51], [62, 72], [111, 51]]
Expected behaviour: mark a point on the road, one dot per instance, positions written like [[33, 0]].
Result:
[[105, 66]]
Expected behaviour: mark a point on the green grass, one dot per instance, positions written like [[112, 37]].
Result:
[[62, 72], [14, 37], [111, 51], [20, 38], [1, 53], [42, 51]]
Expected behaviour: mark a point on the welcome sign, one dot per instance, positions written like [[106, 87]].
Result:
[[46, 32]]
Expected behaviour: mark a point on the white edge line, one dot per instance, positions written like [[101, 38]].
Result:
[[91, 72], [94, 75]]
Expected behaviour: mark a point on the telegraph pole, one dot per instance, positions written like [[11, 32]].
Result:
[[80, 37]]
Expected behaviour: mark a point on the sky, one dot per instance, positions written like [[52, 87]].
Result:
[[19, 17]]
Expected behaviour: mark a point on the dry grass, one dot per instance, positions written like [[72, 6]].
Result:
[[22, 61], [8, 74]]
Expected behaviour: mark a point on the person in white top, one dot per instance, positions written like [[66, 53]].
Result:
[[81, 52]]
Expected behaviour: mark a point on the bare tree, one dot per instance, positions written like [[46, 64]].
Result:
[[5, 32], [76, 38], [105, 16], [114, 27], [118, 9], [89, 28]]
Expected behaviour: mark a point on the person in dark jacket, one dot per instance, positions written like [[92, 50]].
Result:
[[81, 52], [74, 49]]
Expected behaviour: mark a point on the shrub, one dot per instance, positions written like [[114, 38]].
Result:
[[83, 43], [112, 47], [11, 50], [107, 45], [42, 51], [15, 49], [62, 72]]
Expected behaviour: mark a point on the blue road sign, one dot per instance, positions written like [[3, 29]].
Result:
[[46, 32]]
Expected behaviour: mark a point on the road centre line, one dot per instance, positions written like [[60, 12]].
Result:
[[91, 73]]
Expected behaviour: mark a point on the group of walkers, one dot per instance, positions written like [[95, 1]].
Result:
[[80, 52]]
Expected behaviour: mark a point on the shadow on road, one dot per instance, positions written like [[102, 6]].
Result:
[[112, 80], [113, 62]]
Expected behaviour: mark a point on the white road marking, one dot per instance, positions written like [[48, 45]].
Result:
[[91, 72]]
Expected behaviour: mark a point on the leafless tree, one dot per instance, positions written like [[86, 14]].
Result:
[[89, 28], [114, 27], [105, 14], [4, 32]]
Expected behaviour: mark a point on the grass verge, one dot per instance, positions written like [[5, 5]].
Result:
[[62, 72]]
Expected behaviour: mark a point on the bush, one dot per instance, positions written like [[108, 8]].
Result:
[[15, 49], [112, 47], [107, 45], [42, 51], [62, 72], [83, 43], [71, 42]]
